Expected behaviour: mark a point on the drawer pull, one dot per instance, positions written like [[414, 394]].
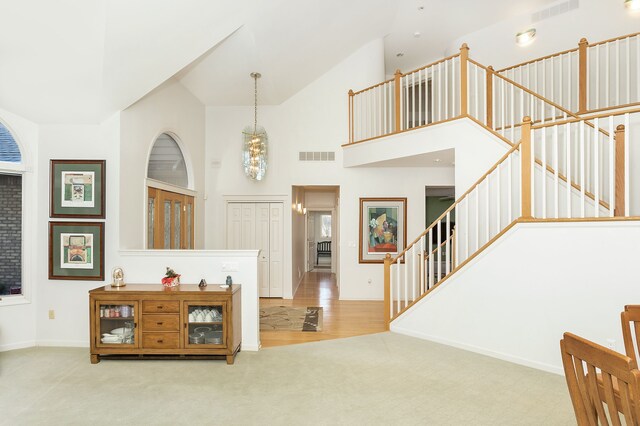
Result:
[[160, 341], [159, 323], [160, 307]]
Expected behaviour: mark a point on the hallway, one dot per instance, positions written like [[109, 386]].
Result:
[[341, 318]]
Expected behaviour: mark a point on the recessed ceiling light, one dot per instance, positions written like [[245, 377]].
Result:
[[417, 34], [399, 54], [437, 160], [632, 5], [525, 38]]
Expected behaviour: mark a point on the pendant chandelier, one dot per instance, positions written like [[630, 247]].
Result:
[[255, 139]]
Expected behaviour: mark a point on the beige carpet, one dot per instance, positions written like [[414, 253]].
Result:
[[378, 379], [276, 318]]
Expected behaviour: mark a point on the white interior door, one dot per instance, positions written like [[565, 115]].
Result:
[[276, 246], [259, 226], [234, 226], [262, 224]]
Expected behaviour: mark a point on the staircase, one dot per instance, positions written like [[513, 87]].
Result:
[[568, 122]]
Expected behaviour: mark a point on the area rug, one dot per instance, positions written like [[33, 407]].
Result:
[[287, 318]]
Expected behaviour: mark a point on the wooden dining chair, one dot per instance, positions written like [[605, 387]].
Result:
[[583, 360], [630, 318]]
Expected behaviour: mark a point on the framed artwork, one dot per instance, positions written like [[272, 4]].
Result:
[[383, 228], [78, 188], [76, 251]]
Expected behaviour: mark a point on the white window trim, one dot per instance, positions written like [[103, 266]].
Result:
[[28, 219]]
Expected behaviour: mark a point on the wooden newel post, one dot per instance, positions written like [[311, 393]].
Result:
[[398, 87], [489, 96], [525, 167], [387, 290], [464, 81], [350, 116], [582, 75], [619, 168]]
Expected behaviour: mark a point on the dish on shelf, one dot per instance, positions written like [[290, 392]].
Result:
[[118, 331], [203, 329], [110, 338], [213, 337], [196, 338]]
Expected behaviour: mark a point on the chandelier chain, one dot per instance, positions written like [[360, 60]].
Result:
[[255, 105]]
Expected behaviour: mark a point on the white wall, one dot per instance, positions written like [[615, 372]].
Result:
[[597, 20], [168, 109], [69, 299], [298, 240], [541, 279], [17, 313], [148, 266]]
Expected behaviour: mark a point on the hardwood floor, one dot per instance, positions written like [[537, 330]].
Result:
[[341, 318]]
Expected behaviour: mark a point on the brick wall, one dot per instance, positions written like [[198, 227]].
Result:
[[10, 233]]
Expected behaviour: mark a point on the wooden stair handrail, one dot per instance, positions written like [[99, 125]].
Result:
[[444, 214], [542, 58], [407, 73], [553, 104]]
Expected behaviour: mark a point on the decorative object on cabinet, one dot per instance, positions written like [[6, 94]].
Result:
[[76, 251], [382, 228], [171, 278], [118, 277], [189, 321], [202, 283], [255, 140], [78, 189]]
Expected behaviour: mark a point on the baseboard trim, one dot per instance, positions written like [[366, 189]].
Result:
[[63, 343], [479, 350], [19, 345]]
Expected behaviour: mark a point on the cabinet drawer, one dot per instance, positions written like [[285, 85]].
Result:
[[158, 306], [160, 340], [159, 322]]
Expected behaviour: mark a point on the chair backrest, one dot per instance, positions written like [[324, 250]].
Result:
[[631, 330], [583, 360], [324, 246]]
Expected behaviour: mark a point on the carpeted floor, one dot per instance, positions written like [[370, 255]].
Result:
[[289, 318], [378, 379]]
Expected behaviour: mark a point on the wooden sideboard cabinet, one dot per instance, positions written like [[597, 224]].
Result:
[[140, 320]]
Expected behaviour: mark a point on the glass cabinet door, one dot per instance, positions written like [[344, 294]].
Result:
[[116, 324], [205, 325]]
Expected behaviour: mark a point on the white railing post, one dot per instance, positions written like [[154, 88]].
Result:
[[525, 167]]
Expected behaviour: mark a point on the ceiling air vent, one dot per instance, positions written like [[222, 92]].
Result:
[[555, 10], [317, 156]]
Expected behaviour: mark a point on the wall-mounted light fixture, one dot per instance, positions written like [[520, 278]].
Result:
[[525, 38], [304, 210], [632, 5]]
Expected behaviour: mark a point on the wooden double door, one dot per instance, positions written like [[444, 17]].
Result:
[[170, 220], [259, 226]]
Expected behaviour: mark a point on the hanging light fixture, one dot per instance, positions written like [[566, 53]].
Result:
[[254, 150], [632, 5]]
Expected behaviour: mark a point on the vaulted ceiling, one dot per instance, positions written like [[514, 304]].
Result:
[[79, 61]]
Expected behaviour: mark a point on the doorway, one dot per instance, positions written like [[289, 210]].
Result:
[[320, 240], [437, 199]]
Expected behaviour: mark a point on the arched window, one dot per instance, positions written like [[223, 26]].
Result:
[[9, 151], [170, 204], [166, 162], [10, 214]]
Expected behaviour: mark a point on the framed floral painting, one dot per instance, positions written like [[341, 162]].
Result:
[[383, 228]]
